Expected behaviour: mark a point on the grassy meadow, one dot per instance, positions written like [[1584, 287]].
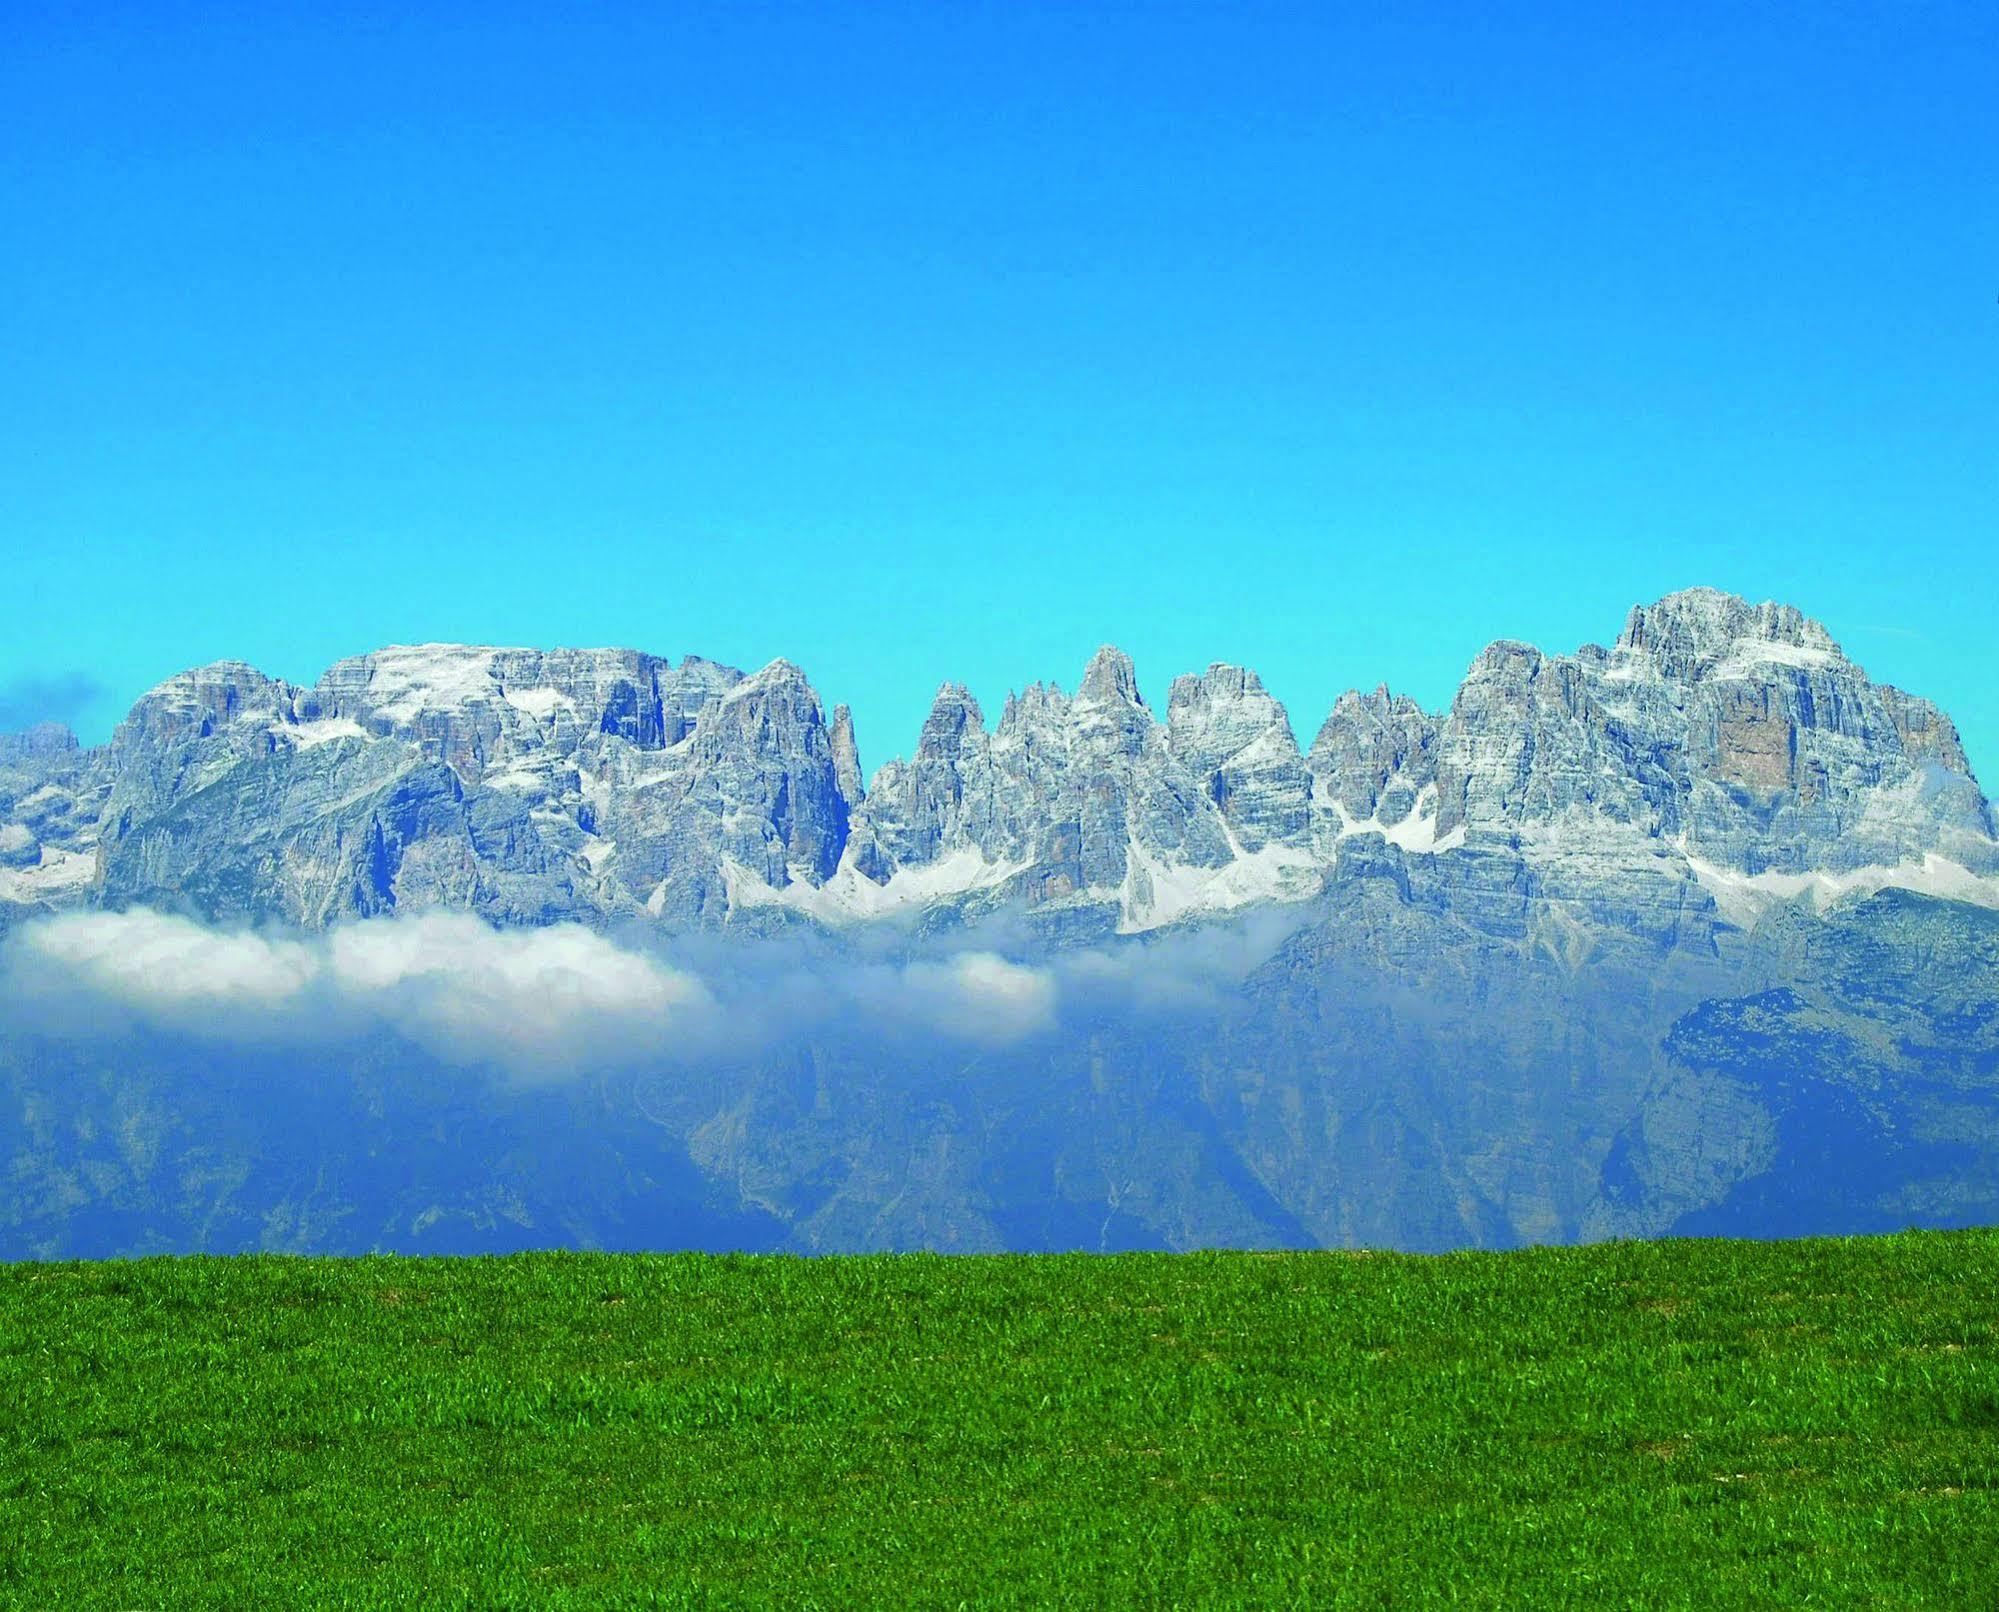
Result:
[[1642, 1424]]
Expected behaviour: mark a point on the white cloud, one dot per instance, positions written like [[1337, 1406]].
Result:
[[1173, 975], [979, 996], [166, 967], [561, 997], [553, 1001], [531, 1000]]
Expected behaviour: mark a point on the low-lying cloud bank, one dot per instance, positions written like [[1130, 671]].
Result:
[[531, 1002], [528, 1000]]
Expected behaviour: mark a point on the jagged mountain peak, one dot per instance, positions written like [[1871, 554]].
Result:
[[1223, 709], [1700, 632], [1506, 658], [954, 717], [1371, 711], [777, 674], [1379, 702], [1037, 705], [1221, 681], [1737, 735], [954, 695], [1372, 760], [846, 757], [212, 678], [1110, 678], [194, 702]]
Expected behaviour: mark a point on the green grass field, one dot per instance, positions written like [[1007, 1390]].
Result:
[[1673, 1424]]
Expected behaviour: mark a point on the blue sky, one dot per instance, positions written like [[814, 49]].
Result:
[[940, 340]]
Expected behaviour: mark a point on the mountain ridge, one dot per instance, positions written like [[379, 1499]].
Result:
[[1715, 747]]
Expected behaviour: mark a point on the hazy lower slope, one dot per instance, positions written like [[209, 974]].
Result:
[[1492, 1094], [1859, 1091]]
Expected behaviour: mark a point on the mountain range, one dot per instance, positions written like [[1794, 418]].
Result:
[[1716, 757], [1698, 931]]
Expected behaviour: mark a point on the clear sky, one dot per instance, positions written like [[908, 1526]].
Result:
[[942, 340]]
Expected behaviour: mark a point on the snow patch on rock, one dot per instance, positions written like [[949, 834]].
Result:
[[308, 735], [1745, 897]]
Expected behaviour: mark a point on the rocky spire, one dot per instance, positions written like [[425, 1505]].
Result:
[[1110, 677], [954, 718], [846, 758]]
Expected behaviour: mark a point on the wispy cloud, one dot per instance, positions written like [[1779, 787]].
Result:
[[24, 701], [528, 1002], [968, 996]]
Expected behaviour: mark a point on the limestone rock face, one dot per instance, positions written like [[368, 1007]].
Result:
[[846, 758], [186, 734], [237, 796], [942, 801], [757, 796], [502, 711], [1528, 742], [1741, 735], [1689, 933], [1717, 758], [51, 795], [1374, 759], [529, 786], [1237, 741], [319, 835]]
